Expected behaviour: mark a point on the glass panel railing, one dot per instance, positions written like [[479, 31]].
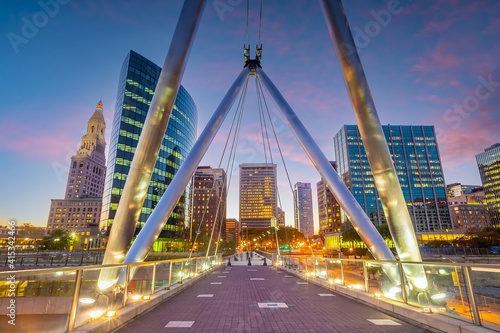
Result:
[[383, 280], [94, 302], [334, 271], [446, 292], [178, 273], [353, 275], [140, 280], [162, 276], [486, 286], [41, 300], [320, 269]]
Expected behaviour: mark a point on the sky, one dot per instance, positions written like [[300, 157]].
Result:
[[429, 62]]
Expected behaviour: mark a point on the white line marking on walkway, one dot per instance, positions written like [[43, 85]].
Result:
[[180, 324], [383, 322]]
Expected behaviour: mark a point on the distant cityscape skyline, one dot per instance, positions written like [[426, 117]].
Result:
[[418, 71]]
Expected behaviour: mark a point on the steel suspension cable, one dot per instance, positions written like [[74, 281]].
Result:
[[219, 165], [261, 115], [237, 132], [261, 93], [232, 153], [260, 21], [248, 8], [261, 98]]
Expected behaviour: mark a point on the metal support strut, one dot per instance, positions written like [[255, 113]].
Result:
[[377, 151], [152, 228], [146, 153]]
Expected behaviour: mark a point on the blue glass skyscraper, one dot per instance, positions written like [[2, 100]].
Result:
[[416, 158], [138, 79]]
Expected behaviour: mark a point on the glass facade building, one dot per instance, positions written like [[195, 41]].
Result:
[[302, 195], [137, 83], [488, 163], [258, 190], [416, 159]]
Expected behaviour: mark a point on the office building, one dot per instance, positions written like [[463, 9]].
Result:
[[257, 195], [469, 211], [232, 230], [488, 163], [417, 162], [79, 212], [328, 208], [136, 86], [209, 200], [458, 189], [302, 196], [280, 218]]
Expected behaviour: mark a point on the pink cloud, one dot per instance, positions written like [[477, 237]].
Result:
[[433, 99], [27, 140], [436, 59]]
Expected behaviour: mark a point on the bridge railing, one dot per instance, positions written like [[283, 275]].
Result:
[[469, 292], [60, 299]]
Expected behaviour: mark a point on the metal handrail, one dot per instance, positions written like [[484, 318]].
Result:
[[472, 265], [466, 269], [92, 267]]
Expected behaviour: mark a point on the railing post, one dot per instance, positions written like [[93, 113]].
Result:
[[403, 286], [182, 270], [153, 279], [472, 297], [196, 267], [365, 275], [76, 296], [125, 289], [342, 271], [170, 276]]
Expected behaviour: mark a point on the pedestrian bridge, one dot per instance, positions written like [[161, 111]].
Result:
[[289, 294]]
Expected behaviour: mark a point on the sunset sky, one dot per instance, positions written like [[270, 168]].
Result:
[[431, 63]]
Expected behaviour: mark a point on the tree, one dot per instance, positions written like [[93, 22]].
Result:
[[479, 238], [350, 235], [384, 231], [58, 240]]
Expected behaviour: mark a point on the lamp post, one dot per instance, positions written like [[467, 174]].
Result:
[[274, 225]]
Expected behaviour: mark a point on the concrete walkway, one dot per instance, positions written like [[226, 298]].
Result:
[[263, 299]]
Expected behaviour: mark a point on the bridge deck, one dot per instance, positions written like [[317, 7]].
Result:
[[277, 303]]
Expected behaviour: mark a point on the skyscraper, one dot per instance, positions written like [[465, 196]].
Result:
[[280, 218], [209, 200], [302, 195], [232, 230], [488, 163], [257, 195], [328, 208], [416, 159], [137, 82], [80, 210]]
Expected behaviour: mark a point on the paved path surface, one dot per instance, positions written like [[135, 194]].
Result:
[[263, 299]]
